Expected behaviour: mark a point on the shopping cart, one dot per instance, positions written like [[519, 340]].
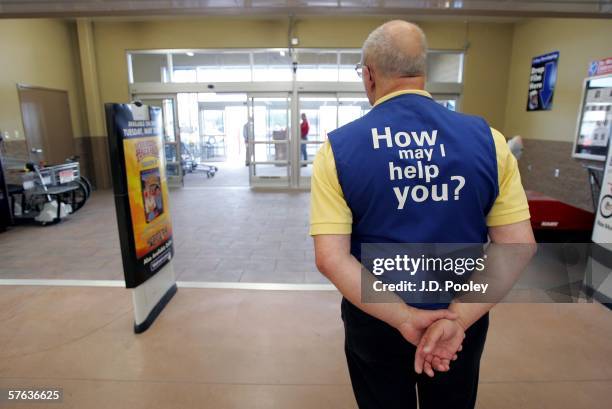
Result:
[[48, 194]]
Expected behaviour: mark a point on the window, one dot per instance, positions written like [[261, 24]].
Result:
[[185, 75], [445, 67], [346, 71], [274, 65], [317, 66], [149, 67], [211, 67], [213, 122]]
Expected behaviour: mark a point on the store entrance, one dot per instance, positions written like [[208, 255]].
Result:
[[213, 129], [247, 137], [254, 139], [323, 113], [270, 140]]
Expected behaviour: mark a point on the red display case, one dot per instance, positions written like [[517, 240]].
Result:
[[554, 221]]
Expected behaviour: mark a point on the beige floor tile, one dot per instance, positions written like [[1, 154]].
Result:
[[550, 341], [270, 349], [238, 226], [164, 395], [545, 395]]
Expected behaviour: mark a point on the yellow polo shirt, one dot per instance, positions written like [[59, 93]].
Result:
[[330, 214]]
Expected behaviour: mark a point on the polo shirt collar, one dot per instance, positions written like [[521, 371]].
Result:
[[402, 92]]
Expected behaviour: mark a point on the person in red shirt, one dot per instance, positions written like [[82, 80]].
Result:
[[304, 128]]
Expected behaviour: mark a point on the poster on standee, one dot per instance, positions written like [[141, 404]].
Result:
[[141, 189]]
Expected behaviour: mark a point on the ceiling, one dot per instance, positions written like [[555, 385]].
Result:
[[491, 8]]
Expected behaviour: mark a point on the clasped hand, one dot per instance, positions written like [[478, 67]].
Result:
[[438, 336]]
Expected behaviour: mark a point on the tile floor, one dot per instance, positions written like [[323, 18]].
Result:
[[270, 349], [223, 232]]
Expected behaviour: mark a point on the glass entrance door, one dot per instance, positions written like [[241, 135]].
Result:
[[318, 116], [323, 113], [172, 140], [269, 140]]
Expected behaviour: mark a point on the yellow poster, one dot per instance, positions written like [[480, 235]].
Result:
[[148, 194]]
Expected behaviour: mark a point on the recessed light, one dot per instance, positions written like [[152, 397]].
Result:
[[190, 54]]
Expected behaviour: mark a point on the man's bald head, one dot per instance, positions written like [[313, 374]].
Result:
[[396, 49]]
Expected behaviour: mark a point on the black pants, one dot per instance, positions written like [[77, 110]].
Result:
[[381, 365]]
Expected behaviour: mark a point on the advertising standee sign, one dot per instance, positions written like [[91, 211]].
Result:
[[141, 189], [542, 81]]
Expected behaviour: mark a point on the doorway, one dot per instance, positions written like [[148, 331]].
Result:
[[213, 129], [324, 113], [270, 141]]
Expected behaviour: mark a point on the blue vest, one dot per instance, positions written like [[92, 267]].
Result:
[[413, 171]]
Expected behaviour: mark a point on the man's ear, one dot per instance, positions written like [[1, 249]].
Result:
[[367, 74], [370, 78]]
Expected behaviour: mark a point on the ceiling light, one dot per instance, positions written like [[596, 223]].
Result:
[[190, 54]]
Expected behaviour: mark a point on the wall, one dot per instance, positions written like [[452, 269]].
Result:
[[39, 53], [551, 133], [486, 68]]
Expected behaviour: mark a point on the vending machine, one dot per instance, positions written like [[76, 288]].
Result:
[[594, 118]]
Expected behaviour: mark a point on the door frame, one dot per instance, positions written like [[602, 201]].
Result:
[[263, 182], [30, 149]]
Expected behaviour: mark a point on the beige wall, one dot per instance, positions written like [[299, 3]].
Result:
[[579, 42], [547, 165], [488, 55], [486, 68], [39, 53]]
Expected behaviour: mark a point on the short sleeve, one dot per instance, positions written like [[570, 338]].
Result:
[[329, 212], [511, 204]]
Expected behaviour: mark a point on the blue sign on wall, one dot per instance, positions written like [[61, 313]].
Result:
[[542, 82]]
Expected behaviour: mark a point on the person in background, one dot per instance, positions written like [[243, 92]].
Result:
[[304, 128], [247, 131]]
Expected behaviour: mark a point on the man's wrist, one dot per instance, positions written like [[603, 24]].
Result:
[[464, 325], [460, 320], [403, 317]]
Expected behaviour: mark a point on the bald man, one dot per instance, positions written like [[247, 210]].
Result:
[[368, 186]]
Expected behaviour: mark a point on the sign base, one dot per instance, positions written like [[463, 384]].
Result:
[[151, 297]]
